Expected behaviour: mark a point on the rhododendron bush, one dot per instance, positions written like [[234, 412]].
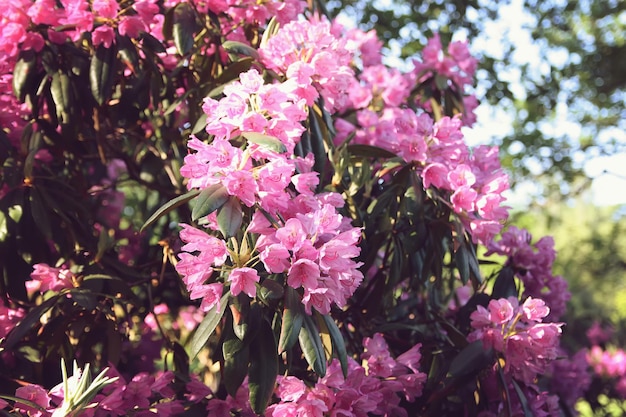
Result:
[[234, 208]]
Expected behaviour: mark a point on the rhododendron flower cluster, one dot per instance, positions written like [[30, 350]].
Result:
[[532, 264], [473, 177], [318, 62], [456, 63], [303, 136], [516, 332], [376, 387]]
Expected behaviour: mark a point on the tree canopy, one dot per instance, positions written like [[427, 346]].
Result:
[[579, 72]]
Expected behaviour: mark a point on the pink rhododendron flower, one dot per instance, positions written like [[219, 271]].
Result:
[[34, 394], [243, 280], [54, 279]]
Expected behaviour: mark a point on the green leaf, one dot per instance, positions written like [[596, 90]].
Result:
[[504, 286], [522, 399], [230, 217], [339, 345], [208, 325], [471, 359], [317, 143], [60, 87], [24, 74], [312, 347], [270, 291], [236, 359], [461, 257], [441, 81], [263, 368], [39, 212], [369, 151], [209, 200], [293, 316], [270, 142], [152, 43], [184, 28], [101, 73], [234, 47], [169, 206], [32, 318], [246, 317]]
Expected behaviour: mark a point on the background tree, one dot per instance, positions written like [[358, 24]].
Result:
[[581, 56]]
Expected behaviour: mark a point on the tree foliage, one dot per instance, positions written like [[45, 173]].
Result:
[[575, 79], [237, 209]]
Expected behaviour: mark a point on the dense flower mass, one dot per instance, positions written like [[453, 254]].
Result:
[[376, 387], [517, 332], [306, 161], [532, 264]]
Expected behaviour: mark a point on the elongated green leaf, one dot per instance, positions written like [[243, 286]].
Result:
[[312, 347], [505, 284], [230, 217], [24, 74], [208, 325], [236, 359], [471, 359], [169, 206], [209, 200], [184, 27], [32, 318], [522, 399], [293, 315], [461, 257], [267, 141], [263, 368], [235, 47], [339, 345], [149, 41], [101, 73], [317, 142], [60, 88], [39, 212], [369, 151]]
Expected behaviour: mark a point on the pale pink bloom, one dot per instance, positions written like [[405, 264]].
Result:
[[3, 404], [463, 199], [146, 10], [210, 295], [500, 311], [213, 249], [195, 270], [411, 358], [535, 309], [162, 384], [104, 35], [35, 394], [105, 8], [44, 12], [291, 235], [243, 280], [196, 390], [242, 185], [137, 392], [320, 298], [303, 273], [435, 174], [305, 183], [54, 279], [290, 388], [131, 26]]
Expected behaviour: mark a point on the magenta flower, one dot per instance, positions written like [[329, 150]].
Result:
[[34, 394], [243, 280]]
